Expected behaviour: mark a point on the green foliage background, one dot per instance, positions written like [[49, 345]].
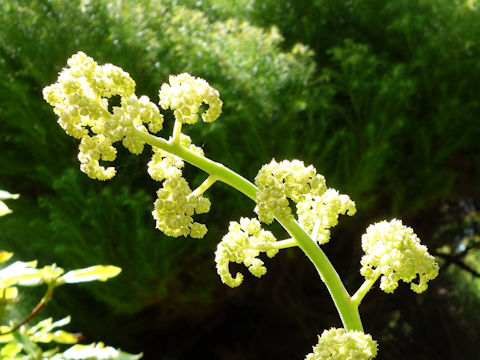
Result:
[[381, 96]]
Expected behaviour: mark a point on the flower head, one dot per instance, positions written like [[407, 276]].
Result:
[[393, 250], [185, 94], [80, 100], [318, 213], [242, 244], [175, 206], [278, 182], [340, 344]]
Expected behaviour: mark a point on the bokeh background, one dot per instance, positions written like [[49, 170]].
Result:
[[381, 96]]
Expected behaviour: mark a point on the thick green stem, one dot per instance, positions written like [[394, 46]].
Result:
[[348, 311], [211, 167]]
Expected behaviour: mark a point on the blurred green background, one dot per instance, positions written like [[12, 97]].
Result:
[[382, 97]]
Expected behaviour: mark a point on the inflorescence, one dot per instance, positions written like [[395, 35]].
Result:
[[394, 251], [340, 344], [80, 100]]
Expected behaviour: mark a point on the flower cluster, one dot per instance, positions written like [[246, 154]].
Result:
[[185, 94], [317, 207], [176, 203], [340, 344], [278, 182], [80, 100], [394, 251], [317, 214], [242, 244], [175, 206]]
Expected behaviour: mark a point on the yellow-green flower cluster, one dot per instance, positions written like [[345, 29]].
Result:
[[340, 344], [165, 165], [176, 203], [80, 100], [318, 213], [175, 206], [242, 244], [278, 182], [393, 250], [185, 94]]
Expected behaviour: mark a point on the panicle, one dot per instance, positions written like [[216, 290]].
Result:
[[242, 244], [80, 100], [394, 250], [175, 206], [278, 182], [340, 344], [185, 94]]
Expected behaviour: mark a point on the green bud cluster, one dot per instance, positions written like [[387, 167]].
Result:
[[242, 244], [340, 344], [394, 250]]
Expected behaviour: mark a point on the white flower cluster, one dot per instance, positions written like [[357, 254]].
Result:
[[318, 208], [340, 344], [242, 244], [394, 250], [185, 94], [80, 100]]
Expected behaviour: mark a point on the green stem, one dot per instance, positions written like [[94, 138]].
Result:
[[177, 130], [211, 167], [363, 290], [282, 244], [41, 304], [209, 181], [347, 310]]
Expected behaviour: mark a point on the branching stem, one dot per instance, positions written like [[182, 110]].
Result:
[[41, 304], [346, 308], [177, 130], [363, 290], [209, 181]]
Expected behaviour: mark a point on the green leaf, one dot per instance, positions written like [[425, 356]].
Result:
[[95, 351], [4, 195], [4, 209], [20, 273], [92, 273], [10, 350], [5, 256]]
